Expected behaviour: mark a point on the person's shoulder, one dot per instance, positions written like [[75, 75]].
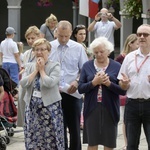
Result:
[[54, 43], [29, 65], [89, 62], [132, 54], [115, 63], [43, 25], [27, 52], [53, 63], [74, 43]]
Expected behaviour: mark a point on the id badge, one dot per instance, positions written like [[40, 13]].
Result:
[[37, 94]]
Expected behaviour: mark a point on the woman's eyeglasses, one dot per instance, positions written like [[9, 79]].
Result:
[[143, 34], [39, 50]]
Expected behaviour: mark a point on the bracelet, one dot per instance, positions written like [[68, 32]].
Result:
[[96, 20]]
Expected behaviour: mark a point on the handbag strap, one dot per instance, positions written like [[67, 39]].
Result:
[[50, 32]]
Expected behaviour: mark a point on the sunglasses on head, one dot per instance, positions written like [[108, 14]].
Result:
[[142, 34], [80, 26]]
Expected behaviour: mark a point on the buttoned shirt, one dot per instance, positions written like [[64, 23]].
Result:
[[137, 67], [105, 29], [71, 57]]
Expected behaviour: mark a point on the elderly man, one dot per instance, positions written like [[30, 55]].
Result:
[[134, 77]]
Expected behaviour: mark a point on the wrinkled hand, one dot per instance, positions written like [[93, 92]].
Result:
[[73, 87], [109, 15], [101, 78], [40, 63], [125, 80], [97, 78], [105, 80]]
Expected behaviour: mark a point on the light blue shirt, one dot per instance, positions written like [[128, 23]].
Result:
[[105, 29], [71, 57]]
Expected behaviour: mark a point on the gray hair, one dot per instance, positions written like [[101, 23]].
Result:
[[64, 24], [102, 41]]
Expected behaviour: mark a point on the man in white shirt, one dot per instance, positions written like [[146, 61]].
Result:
[[71, 56], [134, 77], [10, 55], [106, 26]]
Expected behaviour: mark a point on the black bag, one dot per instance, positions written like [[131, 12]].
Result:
[[9, 84]]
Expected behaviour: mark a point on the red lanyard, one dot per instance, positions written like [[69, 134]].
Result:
[[138, 69]]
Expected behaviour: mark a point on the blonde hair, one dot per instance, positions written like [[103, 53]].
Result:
[[50, 19], [20, 47], [130, 39], [33, 29], [41, 41]]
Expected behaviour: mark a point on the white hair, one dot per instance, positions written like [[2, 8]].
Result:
[[102, 41]]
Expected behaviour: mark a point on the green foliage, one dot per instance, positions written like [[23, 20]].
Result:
[[112, 3], [133, 8]]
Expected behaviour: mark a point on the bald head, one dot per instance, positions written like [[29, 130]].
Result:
[[64, 25], [104, 10]]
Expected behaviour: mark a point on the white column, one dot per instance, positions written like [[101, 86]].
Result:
[[126, 28], [146, 13], [14, 16], [75, 14]]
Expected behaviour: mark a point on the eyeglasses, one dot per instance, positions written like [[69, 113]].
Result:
[[143, 34], [39, 50]]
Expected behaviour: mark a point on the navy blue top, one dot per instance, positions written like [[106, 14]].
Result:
[[1, 81], [110, 95]]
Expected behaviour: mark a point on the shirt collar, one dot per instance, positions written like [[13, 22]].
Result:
[[138, 52], [67, 45]]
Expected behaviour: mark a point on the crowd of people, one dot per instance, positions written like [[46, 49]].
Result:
[[64, 85]]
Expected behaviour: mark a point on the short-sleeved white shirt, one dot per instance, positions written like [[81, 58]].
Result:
[[8, 48], [139, 84], [105, 29]]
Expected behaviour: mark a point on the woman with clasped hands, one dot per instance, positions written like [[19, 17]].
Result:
[[98, 80], [43, 115]]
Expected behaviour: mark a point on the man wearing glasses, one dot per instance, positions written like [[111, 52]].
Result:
[[134, 77]]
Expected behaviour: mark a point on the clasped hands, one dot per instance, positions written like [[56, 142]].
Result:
[[40, 64], [101, 78]]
